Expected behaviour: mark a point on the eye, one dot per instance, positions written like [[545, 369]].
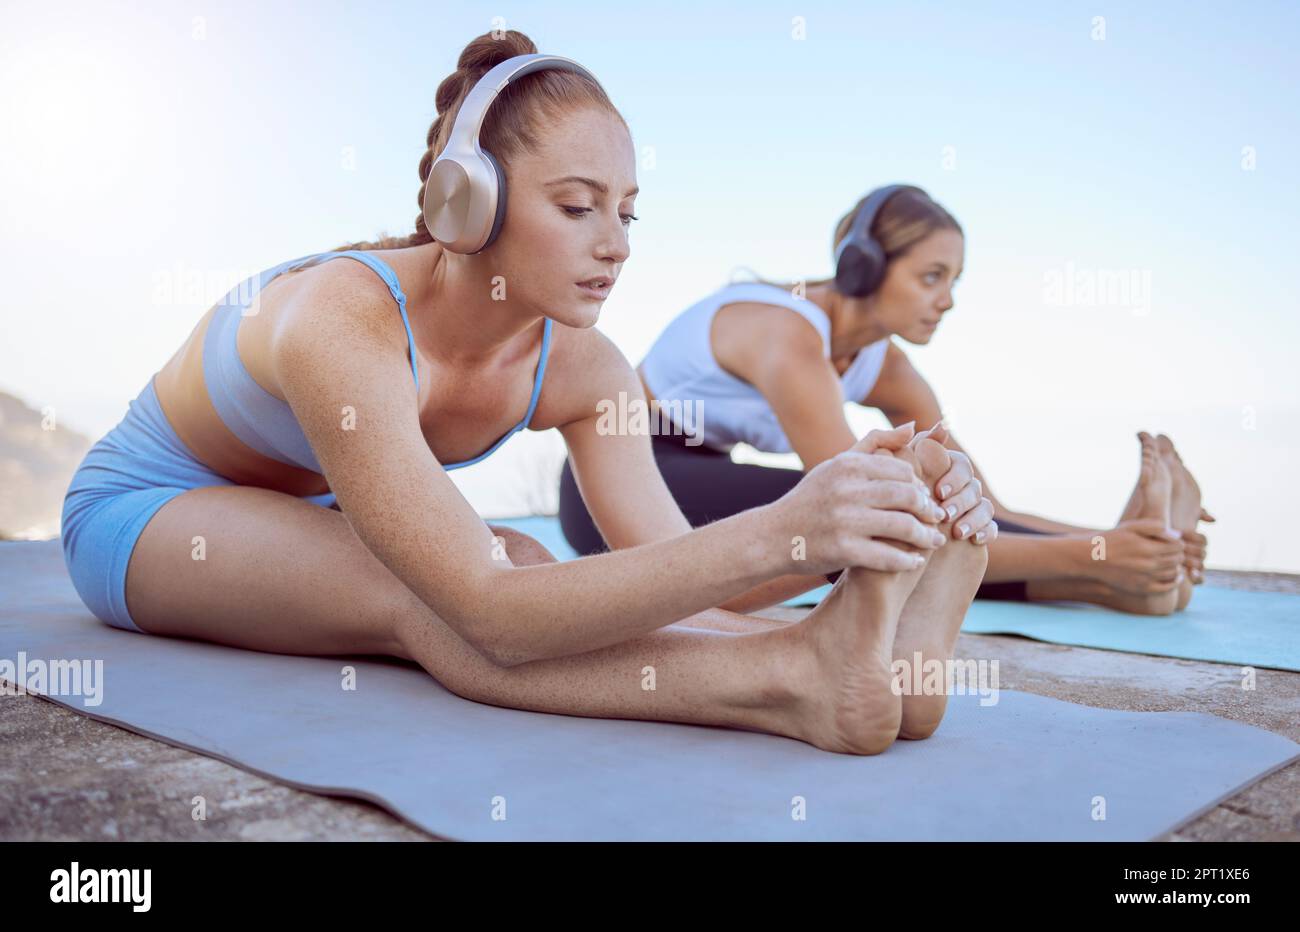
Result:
[[931, 278], [581, 211]]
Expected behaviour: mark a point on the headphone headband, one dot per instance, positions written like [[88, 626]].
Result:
[[866, 215], [473, 111], [465, 192]]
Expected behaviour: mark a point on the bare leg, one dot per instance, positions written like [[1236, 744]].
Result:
[[279, 574], [861, 720]]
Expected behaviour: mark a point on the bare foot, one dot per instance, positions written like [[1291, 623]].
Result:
[[1134, 507], [932, 616], [1184, 505], [1155, 484], [852, 707], [852, 635]]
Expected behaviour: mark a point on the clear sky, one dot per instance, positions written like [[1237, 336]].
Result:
[[155, 153]]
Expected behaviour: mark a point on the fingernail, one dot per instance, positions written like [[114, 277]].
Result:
[[937, 513], [937, 538], [906, 426], [945, 491], [979, 538], [917, 560], [951, 512], [963, 529]]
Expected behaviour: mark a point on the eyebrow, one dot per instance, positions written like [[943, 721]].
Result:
[[591, 183]]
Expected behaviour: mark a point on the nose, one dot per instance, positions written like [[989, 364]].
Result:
[[614, 244], [945, 301]]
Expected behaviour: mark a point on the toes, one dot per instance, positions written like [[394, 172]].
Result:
[[908, 455], [1149, 460], [932, 457], [1165, 446]]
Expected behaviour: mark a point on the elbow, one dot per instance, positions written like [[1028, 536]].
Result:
[[500, 645], [485, 637], [505, 658], [487, 626]]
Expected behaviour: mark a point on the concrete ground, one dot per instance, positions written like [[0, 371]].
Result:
[[70, 778]]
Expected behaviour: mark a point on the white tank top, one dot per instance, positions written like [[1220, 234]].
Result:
[[680, 367]]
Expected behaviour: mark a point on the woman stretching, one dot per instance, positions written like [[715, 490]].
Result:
[[772, 365], [281, 483]]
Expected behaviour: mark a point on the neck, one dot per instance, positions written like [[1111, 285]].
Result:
[[466, 328], [854, 322]]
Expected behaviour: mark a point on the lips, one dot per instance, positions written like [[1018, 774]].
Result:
[[603, 281]]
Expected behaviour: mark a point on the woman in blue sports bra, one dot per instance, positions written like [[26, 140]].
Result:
[[771, 365], [281, 483]]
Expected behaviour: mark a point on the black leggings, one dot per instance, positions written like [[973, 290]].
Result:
[[708, 486]]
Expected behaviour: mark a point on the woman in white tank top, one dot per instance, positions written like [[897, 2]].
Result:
[[771, 365]]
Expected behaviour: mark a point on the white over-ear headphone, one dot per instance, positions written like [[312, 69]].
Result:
[[465, 194]]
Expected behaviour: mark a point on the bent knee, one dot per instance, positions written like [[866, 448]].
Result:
[[522, 549]]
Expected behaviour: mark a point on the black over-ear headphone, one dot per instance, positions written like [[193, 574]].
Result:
[[860, 259]]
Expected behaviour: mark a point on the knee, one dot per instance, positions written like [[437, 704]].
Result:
[[522, 549]]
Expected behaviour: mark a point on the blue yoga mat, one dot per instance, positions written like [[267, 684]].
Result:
[[1024, 767], [1258, 629]]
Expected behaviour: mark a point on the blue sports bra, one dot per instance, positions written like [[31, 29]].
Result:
[[264, 422]]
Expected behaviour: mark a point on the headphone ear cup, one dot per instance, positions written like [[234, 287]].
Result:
[[500, 215], [873, 272], [446, 200], [859, 268]]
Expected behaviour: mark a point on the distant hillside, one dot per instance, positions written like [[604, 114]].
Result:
[[36, 466]]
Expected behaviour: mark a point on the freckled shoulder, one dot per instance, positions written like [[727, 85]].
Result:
[[343, 298], [584, 366]]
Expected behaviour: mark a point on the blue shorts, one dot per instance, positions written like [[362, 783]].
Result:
[[138, 466]]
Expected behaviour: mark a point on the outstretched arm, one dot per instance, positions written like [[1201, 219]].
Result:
[[623, 489], [342, 365]]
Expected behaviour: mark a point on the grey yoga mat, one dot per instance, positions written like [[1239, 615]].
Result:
[[1260, 629], [1025, 767]]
